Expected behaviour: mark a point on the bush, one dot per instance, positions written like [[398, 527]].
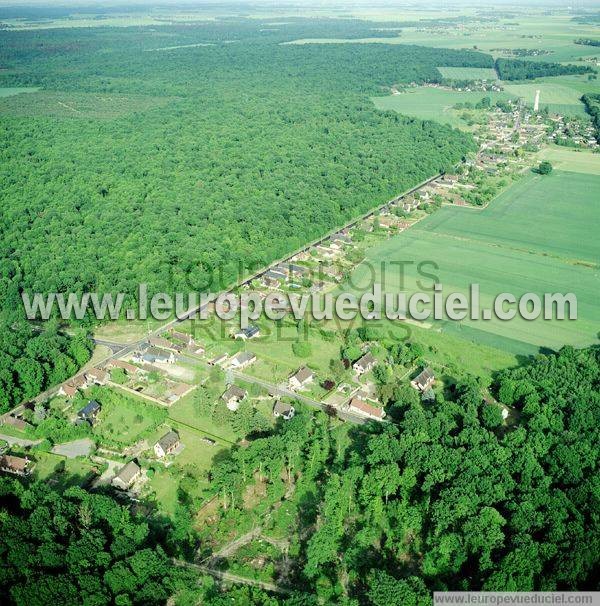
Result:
[[302, 349]]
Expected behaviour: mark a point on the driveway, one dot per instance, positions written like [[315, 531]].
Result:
[[77, 448]]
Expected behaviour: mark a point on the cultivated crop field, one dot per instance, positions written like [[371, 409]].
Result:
[[538, 236], [559, 98]]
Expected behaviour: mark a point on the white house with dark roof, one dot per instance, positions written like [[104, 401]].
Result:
[[127, 476], [167, 444], [301, 378], [424, 380], [284, 410], [242, 359], [364, 364], [232, 397]]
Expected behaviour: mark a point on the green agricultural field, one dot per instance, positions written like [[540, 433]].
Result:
[[578, 161], [558, 97], [500, 250], [468, 73], [433, 103]]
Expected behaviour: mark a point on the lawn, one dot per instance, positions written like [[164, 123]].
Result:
[[468, 73], [195, 459], [124, 419], [433, 104], [538, 236]]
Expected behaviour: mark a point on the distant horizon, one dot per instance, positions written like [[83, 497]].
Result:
[[413, 5]]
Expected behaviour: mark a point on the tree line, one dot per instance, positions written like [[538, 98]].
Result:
[[514, 69]]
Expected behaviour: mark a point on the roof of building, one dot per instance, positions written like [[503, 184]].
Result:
[[366, 360], [243, 356], [78, 381], [233, 392], [303, 375], [101, 375], [282, 408], [169, 440], [128, 472], [425, 375], [16, 464], [70, 390], [90, 408], [250, 331], [361, 405], [126, 366], [154, 352]]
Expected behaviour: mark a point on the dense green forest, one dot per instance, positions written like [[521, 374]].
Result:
[[515, 69], [134, 164], [82, 548], [450, 497], [447, 497], [30, 361]]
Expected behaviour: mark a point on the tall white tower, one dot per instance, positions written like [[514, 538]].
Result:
[[536, 103]]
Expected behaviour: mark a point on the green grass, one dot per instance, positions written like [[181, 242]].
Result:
[[538, 236], [186, 412], [76, 471], [124, 419], [579, 161], [468, 73], [558, 97], [433, 104]]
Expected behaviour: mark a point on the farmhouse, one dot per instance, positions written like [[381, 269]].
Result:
[[243, 359], [97, 376], [424, 380], [164, 344], [68, 390], [127, 476], [301, 378], [232, 397], [183, 337], [360, 407], [364, 364], [89, 412], [218, 361], [167, 444], [130, 369], [283, 410], [150, 355], [250, 332], [15, 465]]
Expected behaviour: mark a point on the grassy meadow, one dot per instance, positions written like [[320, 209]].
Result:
[[433, 104]]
